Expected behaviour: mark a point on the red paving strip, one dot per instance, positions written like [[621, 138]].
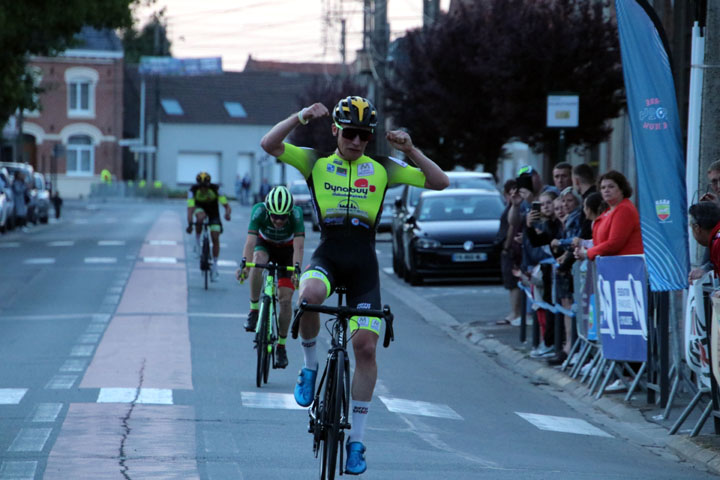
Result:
[[147, 345], [159, 345], [160, 443], [155, 289]]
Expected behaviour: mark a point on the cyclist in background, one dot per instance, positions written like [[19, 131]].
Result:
[[276, 233], [348, 189], [203, 200]]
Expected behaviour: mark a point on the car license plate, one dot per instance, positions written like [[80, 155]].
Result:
[[469, 257]]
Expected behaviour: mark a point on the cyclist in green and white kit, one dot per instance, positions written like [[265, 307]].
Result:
[[276, 233]]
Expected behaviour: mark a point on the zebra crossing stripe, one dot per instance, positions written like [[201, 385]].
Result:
[[153, 396], [415, 407], [270, 400], [159, 259], [563, 424], [100, 260], [11, 396], [39, 261]]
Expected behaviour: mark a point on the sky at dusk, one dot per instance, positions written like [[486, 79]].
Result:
[[282, 30]]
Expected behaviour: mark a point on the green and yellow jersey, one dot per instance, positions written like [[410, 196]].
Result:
[[349, 193], [208, 199]]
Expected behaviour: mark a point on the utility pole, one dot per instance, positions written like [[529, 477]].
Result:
[[431, 9], [710, 123], [381, 39], [342, 43]]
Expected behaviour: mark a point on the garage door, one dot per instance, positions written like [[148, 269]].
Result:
[[190, 164]]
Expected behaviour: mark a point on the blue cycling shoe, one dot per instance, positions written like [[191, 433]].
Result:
[[355, 464], [305, 388]]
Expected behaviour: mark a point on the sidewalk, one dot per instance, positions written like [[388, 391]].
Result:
[[637, 420]]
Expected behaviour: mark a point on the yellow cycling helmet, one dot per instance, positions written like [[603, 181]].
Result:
[[355, 112], [203, 178]]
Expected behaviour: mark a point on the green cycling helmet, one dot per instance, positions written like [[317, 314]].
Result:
[[279, 201]]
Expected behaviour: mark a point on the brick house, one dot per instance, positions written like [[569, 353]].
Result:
[[82, 110]]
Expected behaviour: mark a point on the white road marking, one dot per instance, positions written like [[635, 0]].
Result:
[[61, 243], [82, 351], [111, 243], [30, 440], [9, 244], [39, 261], [18, 470], [46, 412], [12, 396], [159, 259], [73, 365], [100, 260], [388, 270], [415, 407], [270, 400], [155, 396], [563, 424], [227, 263], [89, 338], [61, 382], [218, 315], [95, 328], [162, 242]]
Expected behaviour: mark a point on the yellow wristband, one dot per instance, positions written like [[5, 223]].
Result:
[[300, 117]]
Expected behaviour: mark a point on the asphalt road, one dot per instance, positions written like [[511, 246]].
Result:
[[116, 363]]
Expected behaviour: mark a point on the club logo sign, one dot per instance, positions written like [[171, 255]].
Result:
[[662, 209]]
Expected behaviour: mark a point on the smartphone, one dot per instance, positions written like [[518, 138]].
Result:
[[536, 206]]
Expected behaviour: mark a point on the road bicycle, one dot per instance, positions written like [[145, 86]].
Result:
[[329, 412], [205, 259], [266, 329]]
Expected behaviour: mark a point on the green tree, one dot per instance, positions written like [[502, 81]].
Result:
[[480, 77], [150, 40], [43, 27]]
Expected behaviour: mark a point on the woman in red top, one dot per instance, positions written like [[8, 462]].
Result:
[[617, 230]]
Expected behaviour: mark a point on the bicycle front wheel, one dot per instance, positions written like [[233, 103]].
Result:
[[261, 342], [334, 397]]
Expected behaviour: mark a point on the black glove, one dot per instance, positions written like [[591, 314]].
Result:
[[189, 229]]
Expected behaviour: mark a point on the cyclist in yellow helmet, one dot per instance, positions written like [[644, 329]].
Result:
[[203, 200], [348, 188]]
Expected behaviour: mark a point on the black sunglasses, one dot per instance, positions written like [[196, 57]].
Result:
[[278, 217], [351, 133]]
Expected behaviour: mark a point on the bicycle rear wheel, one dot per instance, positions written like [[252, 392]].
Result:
[[205, 260], [334, 395], [261, 342]]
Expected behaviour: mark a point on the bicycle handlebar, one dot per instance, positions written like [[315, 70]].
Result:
[[270, 266], [347, 312]]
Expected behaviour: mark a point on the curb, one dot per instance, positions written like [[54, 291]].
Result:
[[518, 361]]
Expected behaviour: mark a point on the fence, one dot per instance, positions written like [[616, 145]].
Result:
[[621, 331]]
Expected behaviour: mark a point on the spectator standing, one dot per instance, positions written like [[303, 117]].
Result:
[[509, 259], [562, 176], [57, 202], [705, 226], [246, 184], [617, 230], [21, 197], [264, 188], [583, 179], [712, 194]]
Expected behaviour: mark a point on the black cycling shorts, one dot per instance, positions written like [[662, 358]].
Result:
[[352, 262], [280, 254]]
